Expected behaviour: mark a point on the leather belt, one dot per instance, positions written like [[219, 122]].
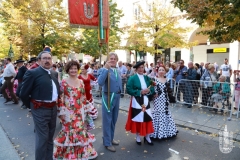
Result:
[[37, 104]]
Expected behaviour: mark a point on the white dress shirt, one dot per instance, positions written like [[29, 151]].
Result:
[[9, 71], [142, 81]]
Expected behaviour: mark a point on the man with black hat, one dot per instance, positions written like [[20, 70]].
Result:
[[40, 90], [21, 71], [34, 62]]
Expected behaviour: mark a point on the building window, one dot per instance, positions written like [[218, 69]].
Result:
[[137, 12], [149, 10]]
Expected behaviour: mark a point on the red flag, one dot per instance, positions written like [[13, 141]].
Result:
[[83, 13]]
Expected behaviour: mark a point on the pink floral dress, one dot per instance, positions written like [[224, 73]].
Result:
[[74, 141]]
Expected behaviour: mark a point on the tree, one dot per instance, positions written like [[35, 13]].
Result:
[[135, 41], [90, 42], [32, 24], [160, 27], [219, 18]]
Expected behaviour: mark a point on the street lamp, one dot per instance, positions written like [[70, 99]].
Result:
[[156, 45]]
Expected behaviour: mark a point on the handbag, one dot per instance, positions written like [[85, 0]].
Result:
[[172, 98]]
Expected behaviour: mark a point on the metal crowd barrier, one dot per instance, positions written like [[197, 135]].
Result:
[[207, 94], [203, 94], [95, 88]]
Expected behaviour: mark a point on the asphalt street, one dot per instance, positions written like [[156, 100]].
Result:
[[18, 125]]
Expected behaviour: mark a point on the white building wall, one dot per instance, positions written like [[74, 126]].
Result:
[[172, 53], [122, 55], [200, 52], [234, 55]]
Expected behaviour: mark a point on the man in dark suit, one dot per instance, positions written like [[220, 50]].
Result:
[[21, 71], [34, 62], [40, 90]]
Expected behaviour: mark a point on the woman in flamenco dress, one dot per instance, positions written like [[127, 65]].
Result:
[[164, 125], [74, 142], [86, 78]]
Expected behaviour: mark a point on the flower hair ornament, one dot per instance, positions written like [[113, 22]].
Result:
[[86, 66]]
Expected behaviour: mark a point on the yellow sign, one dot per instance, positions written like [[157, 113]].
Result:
[[219, 50]]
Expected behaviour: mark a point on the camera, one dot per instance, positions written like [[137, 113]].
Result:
[[184, 73]]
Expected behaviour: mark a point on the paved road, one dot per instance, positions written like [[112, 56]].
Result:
[[196, 118], [18, 125]]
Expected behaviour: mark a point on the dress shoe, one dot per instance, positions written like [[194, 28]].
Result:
[[8, 100], [189, 106], [149, 143], [114, 142], [139, 143], [111, 148]]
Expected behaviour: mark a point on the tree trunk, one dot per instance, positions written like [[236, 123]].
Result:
[[43, 35]]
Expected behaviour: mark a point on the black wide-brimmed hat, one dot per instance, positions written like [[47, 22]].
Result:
[[32, 59], [139, 63], [19, 61]]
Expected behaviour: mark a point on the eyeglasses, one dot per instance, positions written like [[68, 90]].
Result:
[[47, 58]]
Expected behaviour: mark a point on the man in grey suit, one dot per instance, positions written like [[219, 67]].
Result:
[[40, 91], [54, 70], [110, 114]]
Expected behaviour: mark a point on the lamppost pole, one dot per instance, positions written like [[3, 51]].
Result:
[[156, 45]]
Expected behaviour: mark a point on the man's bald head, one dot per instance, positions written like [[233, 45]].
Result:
[[190, 64], [119, 63]]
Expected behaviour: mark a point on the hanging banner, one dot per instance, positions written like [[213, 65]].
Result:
[[83, 13]]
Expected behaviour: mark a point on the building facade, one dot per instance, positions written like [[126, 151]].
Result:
[[205, 51]]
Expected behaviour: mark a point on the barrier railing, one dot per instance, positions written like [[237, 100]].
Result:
[[217, 96]]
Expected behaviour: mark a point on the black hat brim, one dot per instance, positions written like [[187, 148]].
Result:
[[21, 61], [138, 64], [32, 59]]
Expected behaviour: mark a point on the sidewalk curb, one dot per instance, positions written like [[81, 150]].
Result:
[[10, 152], [178, 124]]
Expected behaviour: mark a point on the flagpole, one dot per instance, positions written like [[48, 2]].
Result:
[[101, 41], [107, 36], [108, 74]]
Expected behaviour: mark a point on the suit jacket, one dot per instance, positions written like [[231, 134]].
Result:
[[37, 84], [21, 71], [134, 86], [115, 82]]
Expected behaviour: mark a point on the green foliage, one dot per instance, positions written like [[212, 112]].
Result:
[[30, 25], [90, 43], [33, 24], [219, 18], [161, 27]]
